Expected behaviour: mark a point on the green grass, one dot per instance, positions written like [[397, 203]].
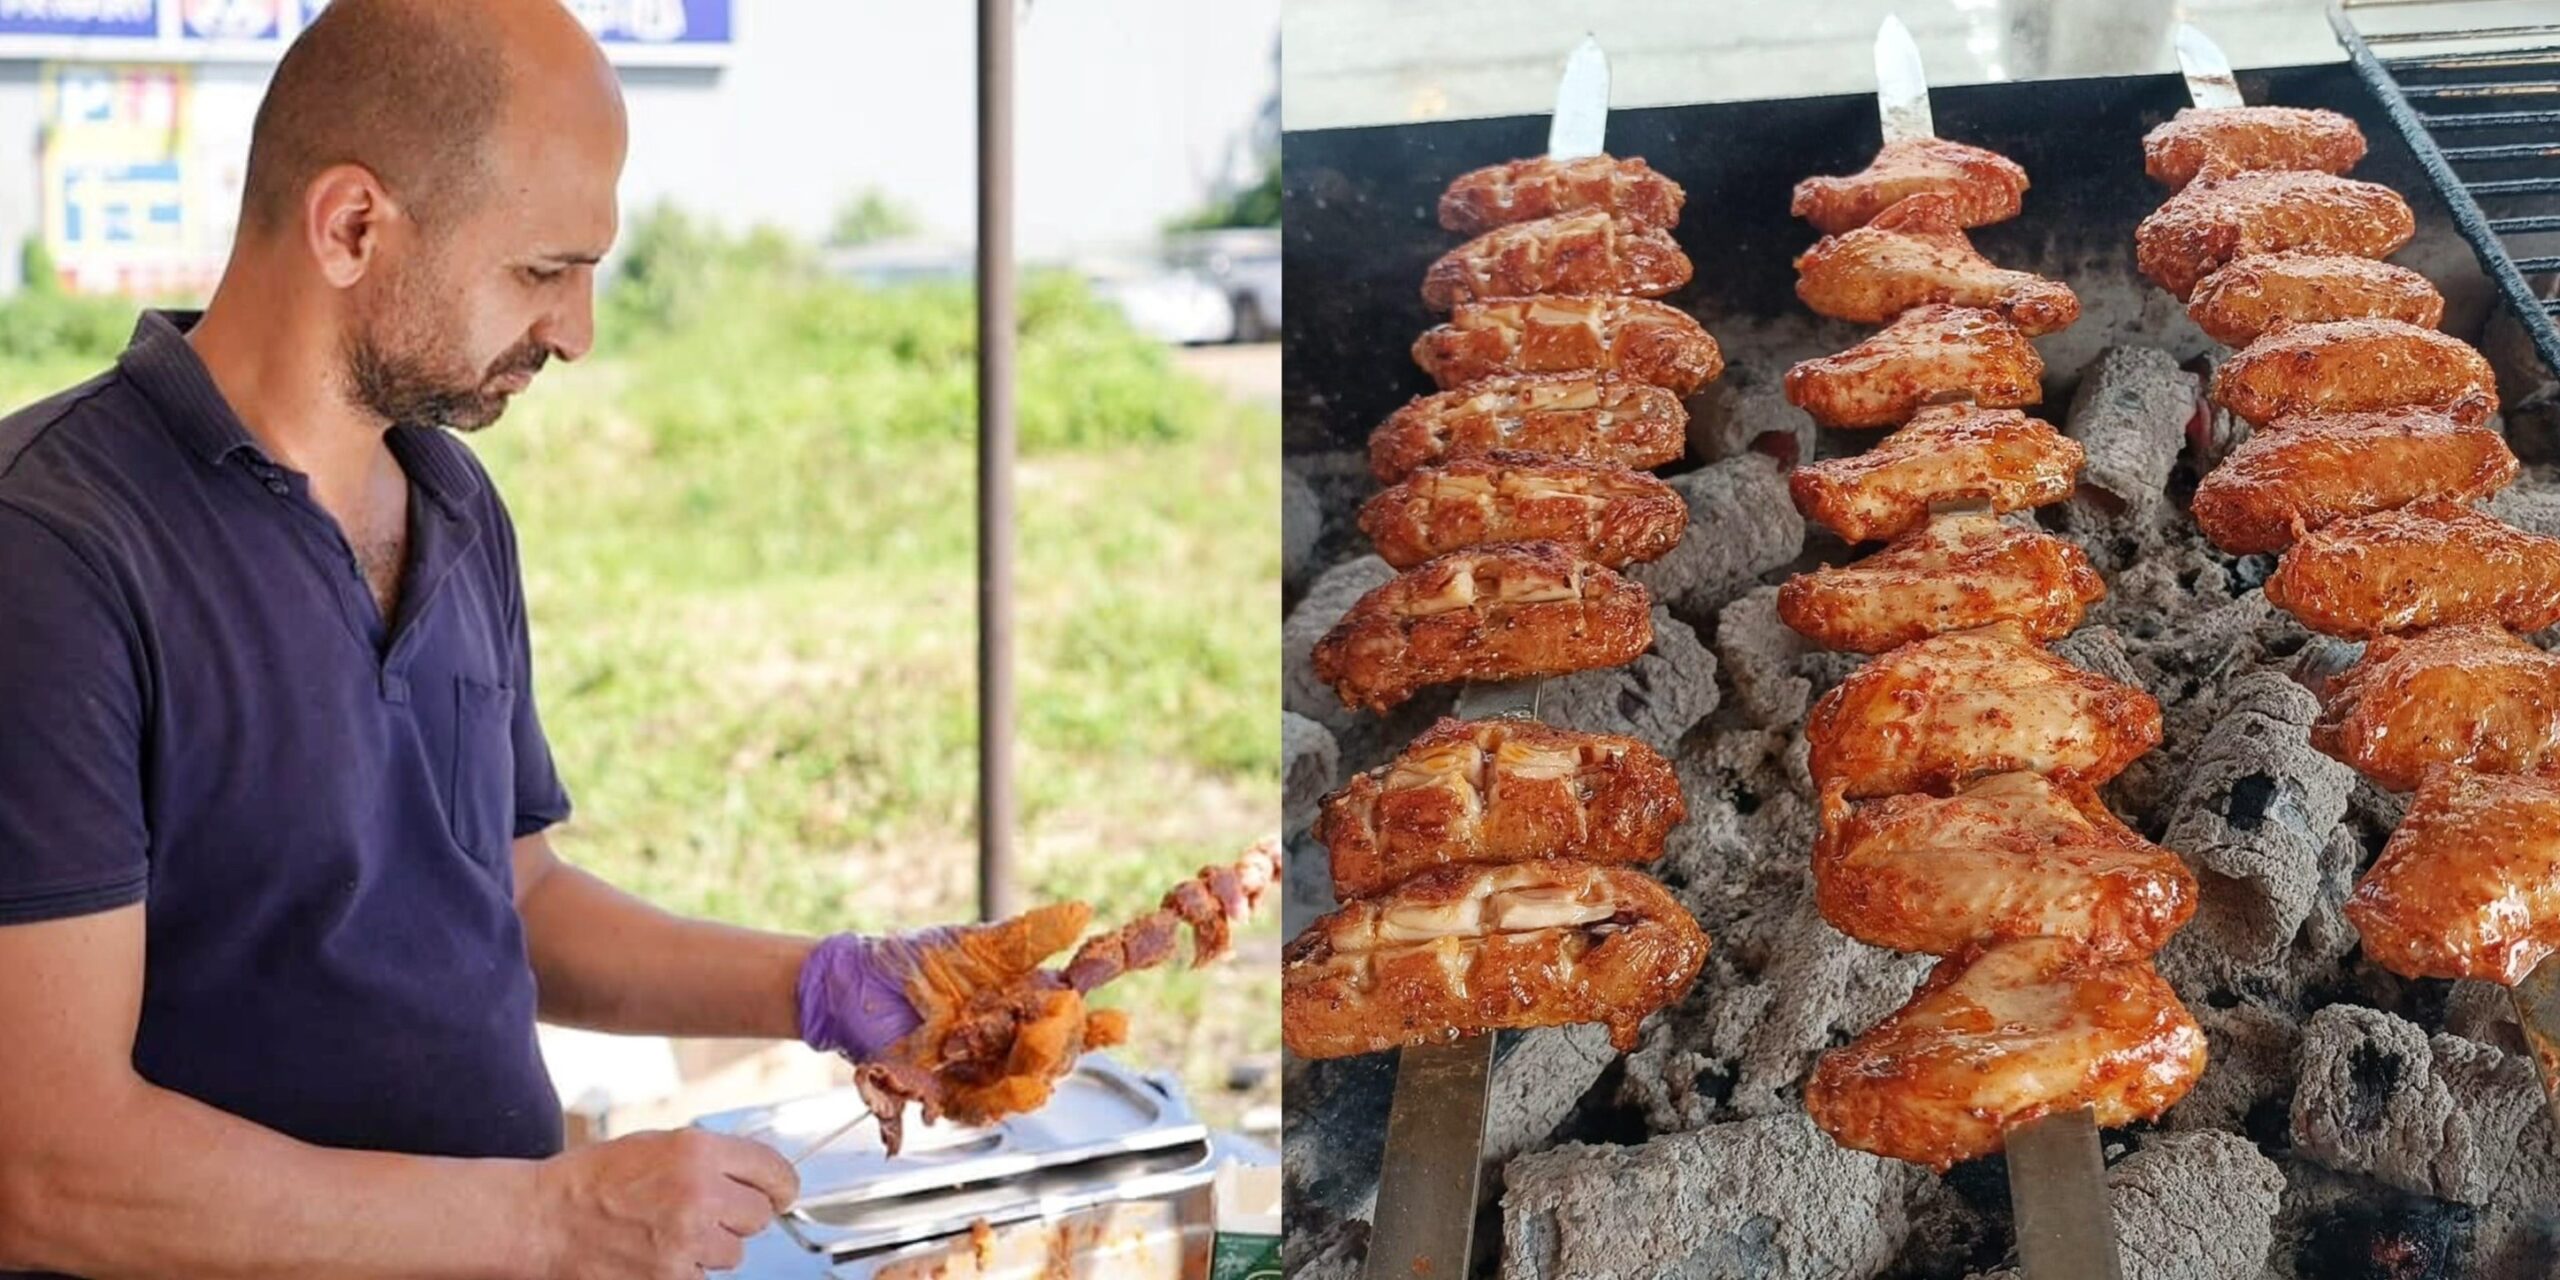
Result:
[[748, 532]]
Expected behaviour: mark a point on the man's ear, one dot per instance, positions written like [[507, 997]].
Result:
[[345, 213]]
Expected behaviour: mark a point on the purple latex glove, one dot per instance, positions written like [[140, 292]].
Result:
[[853, 997]]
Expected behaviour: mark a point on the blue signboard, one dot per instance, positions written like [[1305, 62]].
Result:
[[632, 23], [230, 19], [124, 19]]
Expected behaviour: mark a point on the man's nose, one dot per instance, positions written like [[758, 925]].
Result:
[[570, 332]]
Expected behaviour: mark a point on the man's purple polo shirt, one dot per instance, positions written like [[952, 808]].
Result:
[[202, 711]]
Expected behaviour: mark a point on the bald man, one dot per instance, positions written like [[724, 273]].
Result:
[[277, 911]]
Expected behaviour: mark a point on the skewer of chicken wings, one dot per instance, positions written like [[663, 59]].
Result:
[[1608, 515], [1633, 337], [2473, 696], [2222, 217], [1582, 253], [2469, 885], [2347, 366], [1507, 611], [1522, 190], [1946, 454], [1916, 253], [2422, 565], [2256, 293], [1929, 355], [2250, 138], [2302, 473], [1956, 573], [1986, 186], [1586, 417]]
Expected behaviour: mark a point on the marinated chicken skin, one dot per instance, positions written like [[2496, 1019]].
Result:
[[1986, 186], [2219, 219], [2348, 366], [1481, 791], [1947, 454], [1506, 611], [1586, 417], [1941, 712], [2474, 696], [2250, 138], [1956, 573], [1633, 337], [2012, 856], [1914, 254], [2469, 885], [1587, 252], [2000, 1036], [1607, 515], [1927, 356], [1523, 190], [2301, 473], [1460, 950], [2422, 565], [2259, 292]]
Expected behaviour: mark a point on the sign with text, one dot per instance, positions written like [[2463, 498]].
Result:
[[117, 217], [121, 19]]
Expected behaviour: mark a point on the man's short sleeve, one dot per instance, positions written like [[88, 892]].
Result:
[[73, 836]]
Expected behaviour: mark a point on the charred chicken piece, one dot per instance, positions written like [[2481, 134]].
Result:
[[1954, 574], [2469, 886], [1586, 417], [1462, 950], [2264, 290], [2223, 217], [1947, 454], [1633, 337], [1928, 355], [1494, 791], [2474, 696], [1914, 254], [1587, 252], [2015, 855], [2001, 1035], [1502, 612], [2422, 565], [1498, 195], [1605, 514], [1209, 904], [1938, 713], [2349, 366], [1986, 186], [2299, 474], [2239, 139]]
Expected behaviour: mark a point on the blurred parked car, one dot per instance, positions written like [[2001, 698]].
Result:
[[1245, 262], [1177, 305]]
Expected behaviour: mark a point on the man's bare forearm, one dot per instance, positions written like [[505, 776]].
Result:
[[606, 960], [131, 1180]]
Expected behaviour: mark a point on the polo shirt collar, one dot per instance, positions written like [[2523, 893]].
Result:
[[164, 366]]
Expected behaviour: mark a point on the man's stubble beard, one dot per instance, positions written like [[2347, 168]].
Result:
[[403, 370]]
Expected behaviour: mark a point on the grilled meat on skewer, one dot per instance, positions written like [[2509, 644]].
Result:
[[1522, 190], [1578, 253], [1608, 515], [2263, 290], [1946, 454], [1956, 573], [1914, 254], [2242, 139], [1500, 612], [2222, 218], [1926, 356], [1986, 186], [2474, 696], [1941, 712], [2349, 366], [1463, 949], [1492, 791], [2300, 473], [2469, 886], [2422, 565], [1633, 337], [2001, 1035], [1585, 417]]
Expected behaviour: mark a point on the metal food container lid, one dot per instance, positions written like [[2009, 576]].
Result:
[[1108, 1134]]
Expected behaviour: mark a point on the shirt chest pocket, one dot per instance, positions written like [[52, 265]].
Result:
[[481, 776]]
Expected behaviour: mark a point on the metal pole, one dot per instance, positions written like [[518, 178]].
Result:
[[996, 895]]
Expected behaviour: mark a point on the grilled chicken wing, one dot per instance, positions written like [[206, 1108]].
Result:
[[2212, 222], [1523, 190], [2302, 473], [2347, 366], [1927, 356], [2256, 293], [2003, 1035], [2469, 886], [1607, 515], [2473, 696], [2012, 856], [1938, 713], [1587, 417], [1916, 253], [1502, 612], [2422, 565], [1633, 337], [2250, 138], [1461, 950], [1498, 791], [1956, 573], [1946, 454], [1986, 186], [1587, 252]]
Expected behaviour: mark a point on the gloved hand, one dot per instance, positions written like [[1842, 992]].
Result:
[[860, 994]]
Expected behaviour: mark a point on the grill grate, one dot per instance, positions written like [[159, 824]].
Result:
[[2471, 116]]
